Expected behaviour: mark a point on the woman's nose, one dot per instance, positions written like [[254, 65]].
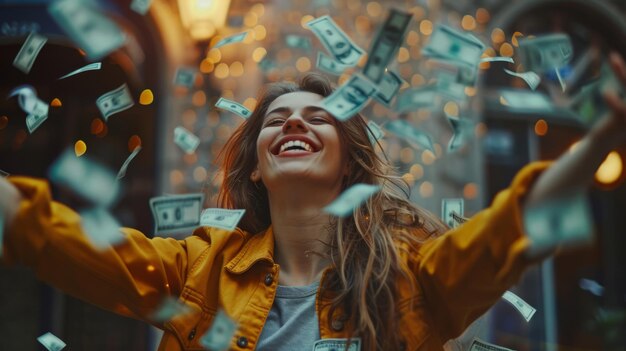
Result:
[[294, 123]]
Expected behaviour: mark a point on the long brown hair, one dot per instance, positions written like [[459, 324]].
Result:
[[364, 249]]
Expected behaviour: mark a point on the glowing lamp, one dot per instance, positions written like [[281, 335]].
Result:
[[203, 18]]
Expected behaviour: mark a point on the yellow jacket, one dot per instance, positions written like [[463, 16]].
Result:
[[459, 274]]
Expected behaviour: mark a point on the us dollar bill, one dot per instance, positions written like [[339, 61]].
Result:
[[388, 40], [176, 213], [336, 344], [93, 32], [456, 71], [329, 65], [497, 59], [375, 132], [233, 107], [408, 132], [231, 40], [450, 44], [527, 311], [449, 207], [388, 87], [461, 130], [102, 229], [592, 286], [546, 52], [140, 6], [37, 116], [298, 41], [115, 101], [122, 172], [26, 97], [168, 309], [335, 40], [350, 199], [480, 345], [29, 51], [185, 76], [414, 99], [221, 218], [51, 342], [90, 67], [186, 140], [531, 78], [218, 337], [350, 98]]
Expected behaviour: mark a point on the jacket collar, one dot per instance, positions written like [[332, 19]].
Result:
[[260, 247]]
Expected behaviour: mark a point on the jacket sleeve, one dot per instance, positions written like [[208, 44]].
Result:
[[465, 271], [130, 279]]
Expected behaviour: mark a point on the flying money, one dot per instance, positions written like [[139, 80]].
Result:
[[26, 97], [90, 67], [592, 286], [140, 6], [450, 88], [480, 345], [454, 71], [122, 172], [186, 140], [527, 311], [37, 116], [449, 44], [497, 59], [351, 199], [115, 101], [350, 98], [218, 337], [102, 229], [589, 103], [335, 40], [336, 344], [462, 129], [266, 64], [221, 218], [233, 107], [527, 100], [448, 208], [51, 342], [231, 40], [388, 87], [169, 309], [176, 213], [375, 132], [388, 39], [185, 76], [416, 98], [531, 78], [29, 51], [298, 41], [406, 131], [545, 53], [90, 30], [329, 65], [86, 178]]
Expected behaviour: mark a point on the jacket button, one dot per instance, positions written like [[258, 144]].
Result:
[[269, 279], [242, 341], [336, 324]]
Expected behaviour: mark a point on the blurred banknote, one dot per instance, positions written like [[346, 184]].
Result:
[[86, 178], [102, 229], [566, 221], [90, 67], [221, 218], [185, 76], [176, 213], [351, 199], [217, 338], [169, 309], [450, 88], [527, 100], [388, 87], [480, 345], [375, 132], [231, 40], [350, 98], [26, 97], [462, 130], [335, 40], [448, 208], [497, 59], [266, 64], [51, 342], [456, 71], [29, 51], [408, 132], [450, 44], [545, 53], [233, 107], [335, 344], [122, 172], [115, 101], [416, 98], [140, 6], [37, 116], [527, 311], [298, 41], [329, 65], [589, 103], [592, 286], [93, 32], [531, 78], [3, 174], [388, 40], [186, 140]]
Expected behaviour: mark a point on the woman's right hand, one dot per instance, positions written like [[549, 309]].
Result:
[[10, 199]]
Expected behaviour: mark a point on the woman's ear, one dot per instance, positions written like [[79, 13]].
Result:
[[255, 176]]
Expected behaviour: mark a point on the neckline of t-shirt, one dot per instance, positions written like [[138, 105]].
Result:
[[287, 291]]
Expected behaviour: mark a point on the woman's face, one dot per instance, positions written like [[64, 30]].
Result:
[[299, 141]]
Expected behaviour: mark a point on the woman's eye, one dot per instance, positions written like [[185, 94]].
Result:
[[319, 119], [275, 121]]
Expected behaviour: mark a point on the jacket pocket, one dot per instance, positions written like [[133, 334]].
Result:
[[189, 328], [415, 324]]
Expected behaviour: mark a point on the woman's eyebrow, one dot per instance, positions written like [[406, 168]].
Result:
[[279, 110]]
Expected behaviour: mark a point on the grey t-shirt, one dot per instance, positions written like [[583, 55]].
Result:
[[292, 323]]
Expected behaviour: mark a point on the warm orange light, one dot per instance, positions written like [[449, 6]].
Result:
[[134, 142], [80, 148], [203, 18], [541, 127], [56, 103], [146, 97], [470, 191], [611, 169]]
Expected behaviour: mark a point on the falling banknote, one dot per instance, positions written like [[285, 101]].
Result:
[[29, 51], [36, 109], [169, 309], [217, 338], [122, 172], [233, 107], [416, 98], [335, 40], [480, 345], [388, 87], [102, 229], [115, 101], [93, 32], [336, 344], [186, 140], [51, 342], [545, 53], [37, 116], [449, 207], [351, 199], [531, 78], [449, 44], [462, 130], [406, 131], [176, 213], [329, 65], [298, 41], [231, 40], [350, 98], [140, 6], [90, 67], [375, 132], [527, 311], [497, 59], [221, 218], [185, 76]]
